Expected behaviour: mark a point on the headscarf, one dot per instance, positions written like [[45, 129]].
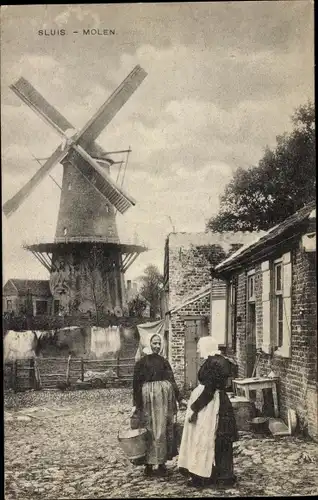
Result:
[[155, 335], [208, 346]]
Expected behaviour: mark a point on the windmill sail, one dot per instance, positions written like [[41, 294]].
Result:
[[98, 177], [111, 107], [84, 139], [13, 204], [23, 89]]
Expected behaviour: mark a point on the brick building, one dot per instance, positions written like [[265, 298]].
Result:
[[22, 296], [187, 304], [272, 309]]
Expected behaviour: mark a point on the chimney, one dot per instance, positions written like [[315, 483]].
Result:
[[128, 284]]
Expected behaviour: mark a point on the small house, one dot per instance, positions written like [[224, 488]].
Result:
[[272, 311], [186, 302], [27, 297]]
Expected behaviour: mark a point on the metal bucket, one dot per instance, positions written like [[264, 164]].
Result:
[[133, 443]]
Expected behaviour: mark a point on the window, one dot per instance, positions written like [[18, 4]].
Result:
[[231, 321], [9, 305], [65, 231], [251, 323], [251, 287], [41, 307], [278, 304], [56, 306]]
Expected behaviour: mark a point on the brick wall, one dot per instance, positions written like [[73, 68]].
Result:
[[298, 374], [189, 271], [241, 324], [190, 257]]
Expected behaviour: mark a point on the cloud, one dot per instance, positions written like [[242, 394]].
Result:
[[222, 83], [33, 67], [77, 13]]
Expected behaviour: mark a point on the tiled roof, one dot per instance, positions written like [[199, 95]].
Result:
[[193, 297], [218, 290], [36, 287], [276, 234]]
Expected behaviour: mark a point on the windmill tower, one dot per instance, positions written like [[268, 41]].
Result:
[[86, 260]]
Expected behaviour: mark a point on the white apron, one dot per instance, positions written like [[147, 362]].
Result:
[[197, 450]]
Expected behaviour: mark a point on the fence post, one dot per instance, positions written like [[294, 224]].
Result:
[[68, 369], [82, 370], [11, 386], [118, 365], [32, 379], [15, 376], [37, 374]]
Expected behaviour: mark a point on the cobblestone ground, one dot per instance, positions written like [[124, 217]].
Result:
[[71, 452]]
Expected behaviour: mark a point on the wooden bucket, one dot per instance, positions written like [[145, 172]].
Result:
[[244, 411]]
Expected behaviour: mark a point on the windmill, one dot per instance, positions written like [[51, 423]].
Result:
[[86, 260]]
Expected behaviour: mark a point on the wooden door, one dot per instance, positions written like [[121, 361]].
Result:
[[251, 339], [194, 328]]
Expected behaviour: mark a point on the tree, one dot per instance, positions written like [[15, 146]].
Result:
[[260, 197], [137, 305], [151, 286]]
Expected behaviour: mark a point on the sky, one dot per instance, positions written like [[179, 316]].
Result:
[[223, 80]]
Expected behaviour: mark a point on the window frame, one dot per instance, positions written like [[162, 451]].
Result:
[[231, 315], [56, 310], [36, 310], [251, 280], [277, 301]]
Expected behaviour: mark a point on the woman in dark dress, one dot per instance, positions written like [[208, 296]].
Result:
[[206, 452], [155, 394]]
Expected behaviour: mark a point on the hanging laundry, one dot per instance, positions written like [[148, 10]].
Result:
[[105, 340], [19, 345]]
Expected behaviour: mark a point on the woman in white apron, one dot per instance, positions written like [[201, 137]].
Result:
[[206, 451]]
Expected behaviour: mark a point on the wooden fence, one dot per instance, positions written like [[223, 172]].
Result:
[[52, 373], [49, 322]]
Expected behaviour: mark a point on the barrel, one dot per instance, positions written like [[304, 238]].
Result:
[[133, 443], [244, 411], [260, 425]]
